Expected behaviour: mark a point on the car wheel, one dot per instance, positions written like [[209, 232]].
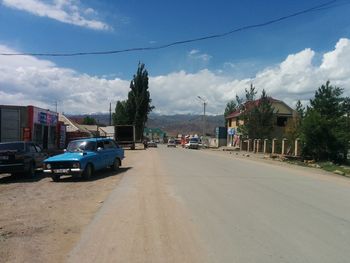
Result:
[[55, 177], [116, 165], [88, 172]]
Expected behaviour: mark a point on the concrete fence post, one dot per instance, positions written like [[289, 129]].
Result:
[[265, 145], [284, 144], [297, 148], [254, 145], [258, 146], [249, 143], [273, 145]]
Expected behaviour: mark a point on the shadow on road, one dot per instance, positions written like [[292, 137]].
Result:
[[97, 176], [21, 178]]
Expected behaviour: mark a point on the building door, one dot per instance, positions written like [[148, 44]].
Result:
[[46, 137]]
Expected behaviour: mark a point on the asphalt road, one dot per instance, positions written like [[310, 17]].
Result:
[[178, 205]]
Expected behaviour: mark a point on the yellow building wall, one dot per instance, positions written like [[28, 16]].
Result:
[[234, 123], [281, 108]]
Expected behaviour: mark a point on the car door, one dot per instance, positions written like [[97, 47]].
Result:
[[109, 151], [32, 156], [40, 156], [101, 159]]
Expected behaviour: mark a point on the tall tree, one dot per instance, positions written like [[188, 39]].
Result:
[[139, 100], [293, 127], [251, 93], [328, 101], [300, 109], [230, 107], [324, 130], [89, 120], [121, 117], [258, 117], [346, 105]]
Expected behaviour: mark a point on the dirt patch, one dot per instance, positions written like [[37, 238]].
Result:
[[141, 221], [40, 220]]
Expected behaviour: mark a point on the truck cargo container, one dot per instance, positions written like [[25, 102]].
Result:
[[125, 135]]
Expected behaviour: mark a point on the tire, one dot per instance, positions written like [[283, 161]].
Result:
[[88, 172], [55, 177], [116, 164]]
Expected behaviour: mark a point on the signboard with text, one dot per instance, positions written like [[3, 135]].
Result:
[[45, 117], [231, 131]]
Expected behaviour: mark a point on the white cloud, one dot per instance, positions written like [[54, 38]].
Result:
[[28, 80], [61, 10], [197, 55]]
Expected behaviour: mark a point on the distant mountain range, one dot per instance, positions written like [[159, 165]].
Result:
[[186, 124], [171, 124]]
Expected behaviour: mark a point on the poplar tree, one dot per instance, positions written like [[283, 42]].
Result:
[[139, 100]]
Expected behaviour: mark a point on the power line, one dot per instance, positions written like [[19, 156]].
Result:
[[317, 8]]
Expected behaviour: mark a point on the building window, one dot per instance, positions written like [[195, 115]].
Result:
[[281, 121], [229, 122]]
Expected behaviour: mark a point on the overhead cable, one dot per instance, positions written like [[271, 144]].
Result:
[[317, 8]]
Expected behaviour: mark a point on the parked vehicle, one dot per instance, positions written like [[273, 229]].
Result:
[[125, 135], [171, 143], [21, 157], [151, 144], [83, 157], [192, 144]]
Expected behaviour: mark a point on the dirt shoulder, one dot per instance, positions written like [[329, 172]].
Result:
[[40, 220], [141, 221]]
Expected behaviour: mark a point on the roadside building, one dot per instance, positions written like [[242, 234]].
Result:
[[107, 131], [74, 130], [283, 114], [93, 129], [30, 123]]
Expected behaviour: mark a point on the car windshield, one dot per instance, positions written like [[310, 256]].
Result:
[[17, 146], [80, 146], [171, 141], [194, 140]]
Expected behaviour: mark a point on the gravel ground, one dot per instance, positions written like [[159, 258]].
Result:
[[41, 220]]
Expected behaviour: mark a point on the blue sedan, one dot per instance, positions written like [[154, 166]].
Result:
[[83, 157]]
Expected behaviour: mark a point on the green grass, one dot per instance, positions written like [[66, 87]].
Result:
[[331, 167], [327, 166]]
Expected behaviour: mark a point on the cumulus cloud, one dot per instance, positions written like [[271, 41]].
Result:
[[28, 80], [64, 11], [197, 55]]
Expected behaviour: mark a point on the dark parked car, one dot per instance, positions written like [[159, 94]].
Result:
[[83, 157], [21, 157]]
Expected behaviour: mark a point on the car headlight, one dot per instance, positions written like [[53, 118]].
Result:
[[48, 166], [76, 165]]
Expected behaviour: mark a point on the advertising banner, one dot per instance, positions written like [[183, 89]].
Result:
[[231, 131], [45, 117]]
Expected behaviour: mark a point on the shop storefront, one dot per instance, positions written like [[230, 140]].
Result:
[[30, 123], [44, 127]]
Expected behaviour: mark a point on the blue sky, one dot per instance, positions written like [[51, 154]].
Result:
[[226, 65]]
